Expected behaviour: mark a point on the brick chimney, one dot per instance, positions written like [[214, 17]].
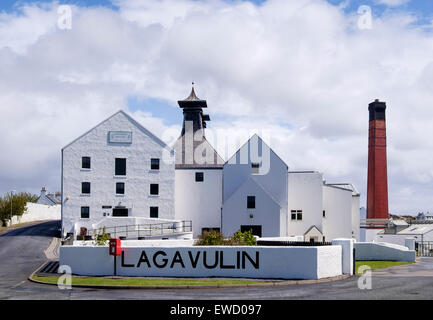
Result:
[[377, 184]]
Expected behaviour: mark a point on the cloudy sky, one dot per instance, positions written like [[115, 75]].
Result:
[[301, 72]]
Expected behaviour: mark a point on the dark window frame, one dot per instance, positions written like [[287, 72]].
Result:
[[199, 176], [88, 213], [152, 214], [152, 190], [154, 163], [120, 170], [118, 184], [84, 186], [251, 202], [296, 215], [86, 164]]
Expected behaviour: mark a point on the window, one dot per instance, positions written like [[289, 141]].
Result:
[[199, 176], [154, 164], [154, 189], [255, 166], [251, 202], [120, 212], [120, 188], [296, 214], [85, 162], [154, 212], [324, 214], [85, 212], [85, 187], [120, 169]]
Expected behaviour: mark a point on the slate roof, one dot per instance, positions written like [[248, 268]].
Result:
[[191, 162]]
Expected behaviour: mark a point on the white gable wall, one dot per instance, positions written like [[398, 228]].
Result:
[[138, 178], [356, 220], [266, 213], [337, 203], [269, 188], [305, 193]]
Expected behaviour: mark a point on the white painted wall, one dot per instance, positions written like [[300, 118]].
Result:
[[337, 203], [400, 238], [37, 212], [356, 219], [366, 251], [305, 193], [266, 213], [269, 187], [103, 181], [273, 262], [368, 235], [199, 201]]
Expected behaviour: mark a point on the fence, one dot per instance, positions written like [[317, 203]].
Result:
[[424, 248], [292, 243], [139, 231]]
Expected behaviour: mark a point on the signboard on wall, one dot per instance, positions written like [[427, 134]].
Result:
[[120, 137]]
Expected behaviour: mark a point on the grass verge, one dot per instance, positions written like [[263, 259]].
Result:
[[143, 282], [374, 265]]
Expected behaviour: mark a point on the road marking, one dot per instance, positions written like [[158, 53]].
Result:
[[17, 285]]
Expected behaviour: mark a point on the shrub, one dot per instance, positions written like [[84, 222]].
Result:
[[243, 238], [102, 239], [215, 238]]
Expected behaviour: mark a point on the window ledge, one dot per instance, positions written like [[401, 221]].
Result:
[[85, 195], [153, 195], [119, 195], [119, 177], [85, 169]]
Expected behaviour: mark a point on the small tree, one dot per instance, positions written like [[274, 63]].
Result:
[[14, 204]]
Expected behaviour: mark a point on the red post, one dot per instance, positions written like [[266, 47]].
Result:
[[114, 249]]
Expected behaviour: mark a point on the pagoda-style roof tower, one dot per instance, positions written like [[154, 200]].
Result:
[[193, 137]]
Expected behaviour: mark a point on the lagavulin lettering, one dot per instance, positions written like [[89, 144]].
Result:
[[215, 260]]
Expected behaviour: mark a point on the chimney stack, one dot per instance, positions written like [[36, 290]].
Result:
[[377, 184]]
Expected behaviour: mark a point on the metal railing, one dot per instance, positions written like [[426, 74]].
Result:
[[142, 231], [292, 243], [424, 248]]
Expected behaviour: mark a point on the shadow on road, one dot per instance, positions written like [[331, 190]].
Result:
[[43, 229]]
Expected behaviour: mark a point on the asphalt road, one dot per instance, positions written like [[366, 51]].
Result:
[[22, 251]]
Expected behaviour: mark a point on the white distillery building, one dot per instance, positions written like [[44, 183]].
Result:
[[114, 175]]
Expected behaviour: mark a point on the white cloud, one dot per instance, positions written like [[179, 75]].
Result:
[[392, 3], [301, 69]]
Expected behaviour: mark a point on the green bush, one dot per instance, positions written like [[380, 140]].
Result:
[[215, 238], [212, 238], [102, 239], [244, 238]]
